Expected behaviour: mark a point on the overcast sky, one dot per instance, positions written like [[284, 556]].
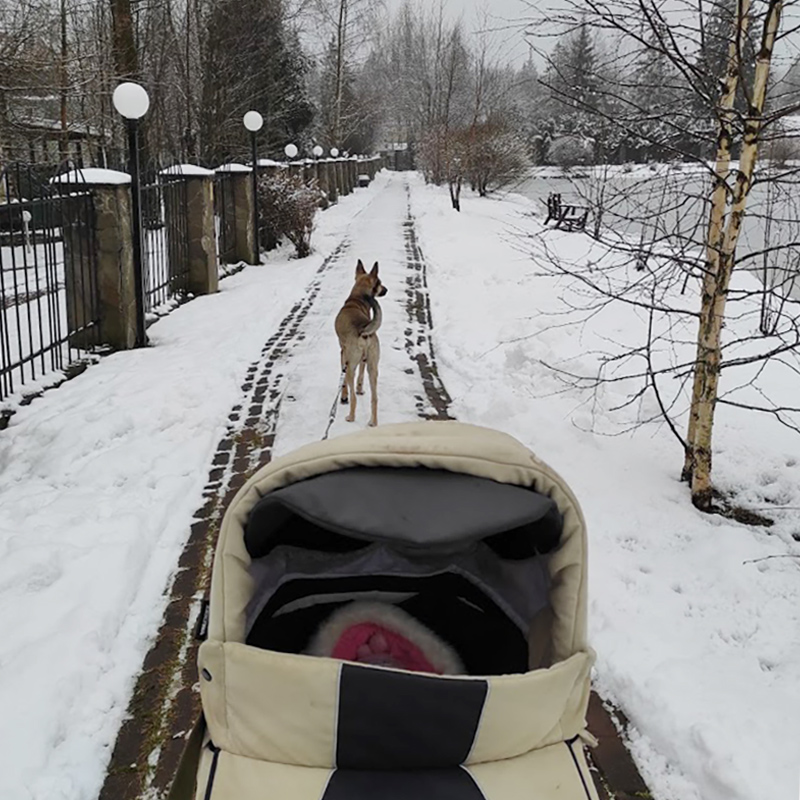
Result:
[[508, 16], [504, 14]]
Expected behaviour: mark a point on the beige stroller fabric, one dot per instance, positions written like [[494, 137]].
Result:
[[281, 725]]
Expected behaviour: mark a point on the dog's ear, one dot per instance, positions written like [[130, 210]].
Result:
[[374, 270], [360, 268]]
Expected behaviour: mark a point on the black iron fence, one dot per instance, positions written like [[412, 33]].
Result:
[[48, 279], [165, 230], [51, 256], [225, 213]]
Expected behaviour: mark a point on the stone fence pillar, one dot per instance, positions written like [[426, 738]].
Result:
[[234, 202], [329, 169], [103, 251], [335, 178], [310, 171], [344, 181], [190, 231], [324, 185]]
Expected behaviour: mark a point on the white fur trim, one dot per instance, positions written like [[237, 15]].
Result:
[[441, 655]]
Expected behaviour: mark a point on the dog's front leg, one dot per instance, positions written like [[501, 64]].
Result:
[[373, 356]]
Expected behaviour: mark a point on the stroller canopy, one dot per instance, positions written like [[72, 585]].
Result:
[[467, 531]]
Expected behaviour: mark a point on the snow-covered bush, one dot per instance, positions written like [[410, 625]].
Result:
[[569, 151], [288, 206], [497, 156]]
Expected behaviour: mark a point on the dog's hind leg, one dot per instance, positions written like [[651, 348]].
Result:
[[360, 382], [344, 381]]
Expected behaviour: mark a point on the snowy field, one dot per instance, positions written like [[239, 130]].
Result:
[[99, 480]]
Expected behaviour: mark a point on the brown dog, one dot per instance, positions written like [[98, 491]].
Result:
[[357, 326]]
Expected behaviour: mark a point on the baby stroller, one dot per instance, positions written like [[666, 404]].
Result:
[[471, 539]]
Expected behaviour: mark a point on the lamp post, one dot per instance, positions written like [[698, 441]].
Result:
[[253, 122], [131, 101], [291, 150], [318, 151], [336, 176]]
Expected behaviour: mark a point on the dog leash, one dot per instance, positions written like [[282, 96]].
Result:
[[334, 408]]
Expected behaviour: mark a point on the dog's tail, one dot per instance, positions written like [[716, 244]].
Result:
[[377, 318]]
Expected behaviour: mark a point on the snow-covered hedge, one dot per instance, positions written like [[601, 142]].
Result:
[[287, 205]]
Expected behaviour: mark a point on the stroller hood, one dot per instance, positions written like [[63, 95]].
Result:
[[304, 726]]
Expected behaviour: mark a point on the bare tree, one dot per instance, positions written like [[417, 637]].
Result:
[[661, 231]]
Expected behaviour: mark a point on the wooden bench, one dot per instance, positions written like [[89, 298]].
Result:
[[568, 217]]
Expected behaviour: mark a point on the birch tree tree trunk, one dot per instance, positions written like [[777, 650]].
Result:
[[713, 311], [716, 230]]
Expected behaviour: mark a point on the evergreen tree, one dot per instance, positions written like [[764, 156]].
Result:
[[660, 112], [573, 81], [252, 61], [712, 62], [579, 104]]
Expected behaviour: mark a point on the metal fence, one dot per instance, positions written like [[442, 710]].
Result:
[[225, 218], [49, 316], [165, 223]]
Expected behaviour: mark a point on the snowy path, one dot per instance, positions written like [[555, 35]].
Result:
[[408, 385], [289, 398]]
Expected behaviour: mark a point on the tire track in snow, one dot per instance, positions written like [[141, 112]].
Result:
[[419, 340]]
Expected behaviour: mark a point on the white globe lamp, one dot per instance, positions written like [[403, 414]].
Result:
[[290, 150], [253, 121], [131, 100]]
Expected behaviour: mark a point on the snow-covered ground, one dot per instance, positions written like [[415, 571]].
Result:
[[698, 644], [98, 483], [99, 479]]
